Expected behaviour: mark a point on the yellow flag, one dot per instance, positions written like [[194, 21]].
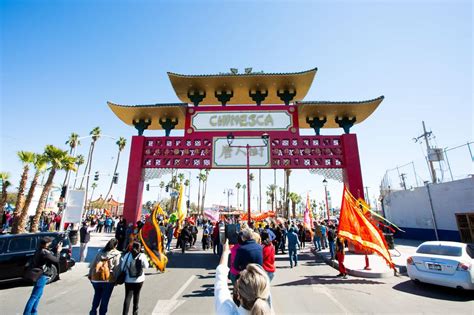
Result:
[[159, 210], [182, 210]]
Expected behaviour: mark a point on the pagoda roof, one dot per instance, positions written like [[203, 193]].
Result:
[[129, 113], [359, 109], [241, 85]]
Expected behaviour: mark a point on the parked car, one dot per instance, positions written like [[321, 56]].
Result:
[[17, 249], [448, 264]]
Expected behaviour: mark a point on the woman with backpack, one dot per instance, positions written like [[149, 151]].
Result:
[[133, 264], [103, 273]]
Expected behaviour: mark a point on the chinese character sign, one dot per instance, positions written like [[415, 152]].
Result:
[[226, 156]]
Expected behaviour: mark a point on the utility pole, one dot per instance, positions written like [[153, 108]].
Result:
[[403, 177], [426, 135], [367, 198]]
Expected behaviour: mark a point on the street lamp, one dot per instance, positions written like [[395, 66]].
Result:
[[230, 140], [325, 183]]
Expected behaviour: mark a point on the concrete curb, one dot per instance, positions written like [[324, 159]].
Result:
[[355, 273]]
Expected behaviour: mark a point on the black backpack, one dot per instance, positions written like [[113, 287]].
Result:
[[135, 269]]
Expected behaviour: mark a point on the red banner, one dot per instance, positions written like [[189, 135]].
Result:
[[354, 226]]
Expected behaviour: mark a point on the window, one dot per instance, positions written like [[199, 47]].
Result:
[[21, 244], [469, 250], [441, 250]]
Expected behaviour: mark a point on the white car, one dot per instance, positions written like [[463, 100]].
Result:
[[449, 264]]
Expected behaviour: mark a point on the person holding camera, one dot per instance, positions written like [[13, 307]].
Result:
[[42, 260]]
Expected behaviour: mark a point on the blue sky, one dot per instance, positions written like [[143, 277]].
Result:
[[61, 61]]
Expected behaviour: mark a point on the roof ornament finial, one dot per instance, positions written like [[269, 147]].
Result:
[[234, 70]]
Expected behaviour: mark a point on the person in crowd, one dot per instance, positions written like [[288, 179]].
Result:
[[317, 236], [194, 233], [331, 239], [120, 233], [186, 237], [169, 236], [84, 238], [252, 289], [206, 236], [284, 232], [268, 255], [215, 239], [107, 259], [133, 263], [57, 222], [100, 224], [340, 257], [302, 235], [293, 246], [43, 258], [234, 273], [324, 241], [270, 232], [249, 252], [108, 225]]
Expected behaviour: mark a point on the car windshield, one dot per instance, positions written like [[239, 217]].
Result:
[[441, 250]]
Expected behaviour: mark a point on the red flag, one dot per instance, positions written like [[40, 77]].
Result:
[[354, 226]]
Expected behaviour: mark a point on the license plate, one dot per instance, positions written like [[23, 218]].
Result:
[[434, 267]]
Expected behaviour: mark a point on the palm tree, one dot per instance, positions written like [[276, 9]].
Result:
[[26, 159], [251, 179], [204, 188], [59, 160], [181, 177], [121, 143], [94, 186], [95, 133], [73, 142], [5, 183], [271, 191], [260, 189], [238, 186], [295, 199], [79, 161], [40, 163]]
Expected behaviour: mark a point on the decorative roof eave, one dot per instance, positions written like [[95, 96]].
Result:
[[153, 112], [331, 110], [240, 85]]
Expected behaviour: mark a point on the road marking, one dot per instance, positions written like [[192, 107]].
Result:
[[319, 288], [166, 307]]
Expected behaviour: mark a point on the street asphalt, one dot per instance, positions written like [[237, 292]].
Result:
[[187, 288]]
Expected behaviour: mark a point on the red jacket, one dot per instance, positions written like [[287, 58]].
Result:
[[269, 258]]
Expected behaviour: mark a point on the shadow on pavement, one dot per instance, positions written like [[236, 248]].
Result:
[[435, 292], [9, 284], [207, 291], [309, 280], [193, 260]]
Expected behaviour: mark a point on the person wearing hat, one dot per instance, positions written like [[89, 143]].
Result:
[[42, 258]]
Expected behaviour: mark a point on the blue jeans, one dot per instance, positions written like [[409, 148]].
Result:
[[32, 304], [332, 249], [270, 275], [168, 243], [293, 253], [324, 241], [317, 243], [102, 293]]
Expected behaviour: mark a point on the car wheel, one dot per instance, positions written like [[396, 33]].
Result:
[[54, 274]]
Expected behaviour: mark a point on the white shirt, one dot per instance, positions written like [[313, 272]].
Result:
[[128, 259], [224, 304]]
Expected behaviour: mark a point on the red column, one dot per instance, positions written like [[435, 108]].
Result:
[[352, 172], [134, 191]]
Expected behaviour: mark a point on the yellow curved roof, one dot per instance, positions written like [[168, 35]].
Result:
[[361, 110], [155, 112], [241, 84]]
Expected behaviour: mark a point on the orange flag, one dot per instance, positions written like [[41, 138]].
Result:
[[354, 226]]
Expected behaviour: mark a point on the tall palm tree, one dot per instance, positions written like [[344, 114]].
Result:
[[204, 188], [40, 163], [93, 186], [73, 142], [5, 183], [199, 177], [295, 199], [121, 143], [271, 191], [79, 161], [181, 177], [26, 159], [59, 160], [260, 189], [95, 133], [251, 179], [238, 190]]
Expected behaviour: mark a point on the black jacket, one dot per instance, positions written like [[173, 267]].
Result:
[[43, 257], [249, 252]]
